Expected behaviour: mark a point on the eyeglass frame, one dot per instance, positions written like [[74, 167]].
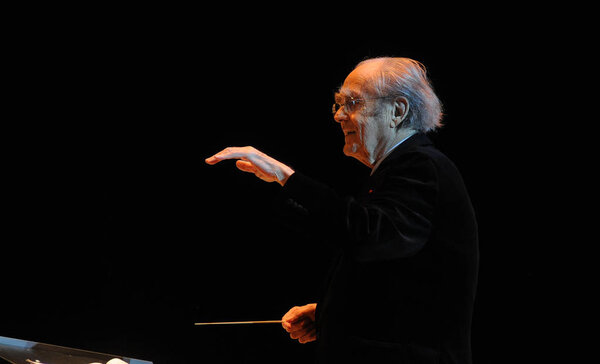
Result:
[[353, 103]]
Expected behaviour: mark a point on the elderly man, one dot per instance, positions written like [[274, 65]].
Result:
[[402, 285]]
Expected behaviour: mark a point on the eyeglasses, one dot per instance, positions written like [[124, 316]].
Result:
[[352, 104]]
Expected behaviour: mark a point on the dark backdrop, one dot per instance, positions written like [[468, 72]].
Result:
[[119, 237]]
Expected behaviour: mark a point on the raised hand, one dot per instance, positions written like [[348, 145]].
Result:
[[251, 160]]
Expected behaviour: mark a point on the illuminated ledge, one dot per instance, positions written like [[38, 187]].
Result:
[[16, 351]]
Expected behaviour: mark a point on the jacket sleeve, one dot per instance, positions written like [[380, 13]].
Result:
[[393, 221]]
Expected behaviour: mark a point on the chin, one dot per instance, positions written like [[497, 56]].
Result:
[[350, 150], [353, 150]]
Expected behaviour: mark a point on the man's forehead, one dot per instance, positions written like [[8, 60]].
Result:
[[357, 81]]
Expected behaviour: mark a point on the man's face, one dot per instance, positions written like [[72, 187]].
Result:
[[363, 122]]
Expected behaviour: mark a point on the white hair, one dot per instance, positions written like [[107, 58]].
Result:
[[408, 78]]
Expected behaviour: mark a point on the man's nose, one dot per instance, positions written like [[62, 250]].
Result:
[[340, 115]]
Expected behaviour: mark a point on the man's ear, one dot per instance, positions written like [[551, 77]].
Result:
[[401, 108]]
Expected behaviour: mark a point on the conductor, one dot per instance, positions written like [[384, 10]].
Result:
[[402, 285]]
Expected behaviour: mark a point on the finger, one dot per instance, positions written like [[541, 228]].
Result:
[[301, 323], [289, 326], [310, 336], [292, 326], [212, 160], [300, 332], [292, 315], [229, 153]]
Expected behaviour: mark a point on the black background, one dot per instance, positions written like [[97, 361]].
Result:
[[118, 237]]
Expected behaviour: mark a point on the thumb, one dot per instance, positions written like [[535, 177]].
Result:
[[293, 315], [245, 166]]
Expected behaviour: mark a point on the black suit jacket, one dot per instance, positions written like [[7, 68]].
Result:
[[402, 285]]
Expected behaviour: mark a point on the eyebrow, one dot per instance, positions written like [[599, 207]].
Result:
[[341, 94]]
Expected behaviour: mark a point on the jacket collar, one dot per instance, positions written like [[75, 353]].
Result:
[[416, 140]]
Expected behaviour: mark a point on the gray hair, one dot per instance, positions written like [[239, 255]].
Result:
[[408, 78]]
